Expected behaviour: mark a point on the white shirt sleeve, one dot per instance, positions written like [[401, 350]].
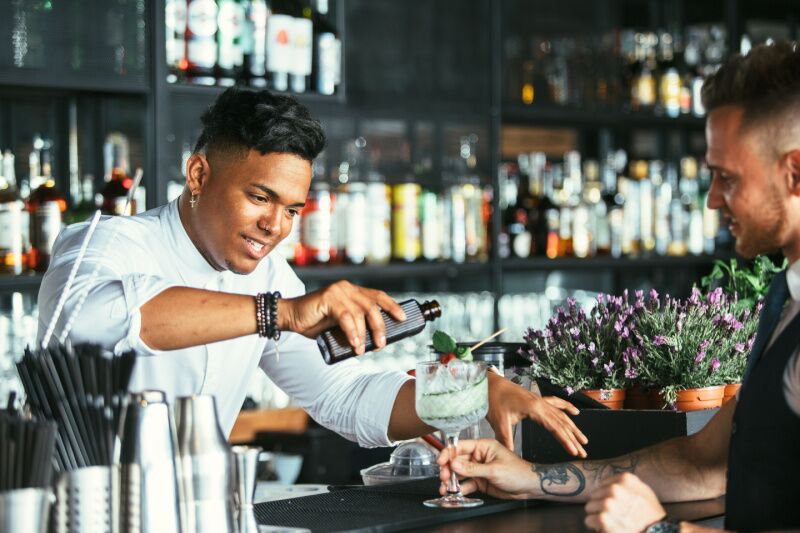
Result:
[[791, 383], [111, 314]]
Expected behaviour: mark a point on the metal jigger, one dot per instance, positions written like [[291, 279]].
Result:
[[245, 461], [147, 461], [206, 469]]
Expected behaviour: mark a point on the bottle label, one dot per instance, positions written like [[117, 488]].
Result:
[[201, 18], [355, 238], [302, 37], [405, 222], [11, 227], [47, 225], [202, 52], [279, 51], [316, 232], [379, 223], [328, 54]]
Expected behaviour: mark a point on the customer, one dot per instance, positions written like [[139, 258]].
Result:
[[750, 450], [178, 285]]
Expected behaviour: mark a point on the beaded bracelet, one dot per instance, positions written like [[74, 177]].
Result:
[[267, 315]]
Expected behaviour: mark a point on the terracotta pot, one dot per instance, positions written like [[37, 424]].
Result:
[[698, 399], [611, 398], [730, 392], [637, 397]]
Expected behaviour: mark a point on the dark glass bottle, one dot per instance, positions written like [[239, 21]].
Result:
[[333, 343]]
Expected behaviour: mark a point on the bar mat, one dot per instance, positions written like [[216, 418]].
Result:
[[375, 509]]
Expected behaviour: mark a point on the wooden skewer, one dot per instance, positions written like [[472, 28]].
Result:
[[487, 339]]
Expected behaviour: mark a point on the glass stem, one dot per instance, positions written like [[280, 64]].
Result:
[[453, 489]]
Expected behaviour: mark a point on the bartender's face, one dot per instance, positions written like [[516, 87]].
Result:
[[746, 184], [246, 206]]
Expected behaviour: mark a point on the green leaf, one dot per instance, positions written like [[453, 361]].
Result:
[[444, 343], [464, 353]]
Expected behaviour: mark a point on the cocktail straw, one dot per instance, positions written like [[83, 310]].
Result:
[[70, 280], [487, 339], [85, 292]]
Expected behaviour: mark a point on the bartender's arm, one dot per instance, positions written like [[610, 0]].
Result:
[[180, 317], [681, 469]]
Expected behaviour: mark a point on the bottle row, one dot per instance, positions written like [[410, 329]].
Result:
[[659, 72], [374, 222], [609, 207], [33, 210], [283, 44]]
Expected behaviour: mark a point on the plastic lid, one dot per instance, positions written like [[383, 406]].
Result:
[[410, 460]]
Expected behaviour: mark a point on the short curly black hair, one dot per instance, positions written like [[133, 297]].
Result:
[[765, 83], [259, 120]]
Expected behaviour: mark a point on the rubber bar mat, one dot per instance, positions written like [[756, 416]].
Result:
[[375, 509]]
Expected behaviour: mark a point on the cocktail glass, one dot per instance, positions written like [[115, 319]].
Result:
[[450, 398]]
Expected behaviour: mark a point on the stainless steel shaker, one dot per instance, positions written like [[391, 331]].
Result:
[[206, 469], [245, 461], [146, 455]]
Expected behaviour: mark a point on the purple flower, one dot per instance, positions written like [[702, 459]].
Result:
[[631, 373], [739, 347], [601, 298], [626, 332], [609, 368], [595, 361], [705, 344], [715, 296], [750, 342], [571, 302], [581, 347], [715, 364], [699, 357], [694, 299], [569, 390], [618, 327], [653, 294], [574, 331], [659, 340]]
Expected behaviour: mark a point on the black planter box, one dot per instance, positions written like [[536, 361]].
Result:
[[613, 432]]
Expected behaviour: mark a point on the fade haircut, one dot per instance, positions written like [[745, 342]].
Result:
[[243, 119], [765, 83]]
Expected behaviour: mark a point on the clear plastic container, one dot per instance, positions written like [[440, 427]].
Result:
[[411, 460]]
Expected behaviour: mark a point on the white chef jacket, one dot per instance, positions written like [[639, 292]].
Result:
[[151, 253]]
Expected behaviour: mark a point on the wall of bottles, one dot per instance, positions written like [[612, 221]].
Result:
[[611, 207], [286, 45]]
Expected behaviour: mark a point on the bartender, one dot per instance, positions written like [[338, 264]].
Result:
[[193, 288]]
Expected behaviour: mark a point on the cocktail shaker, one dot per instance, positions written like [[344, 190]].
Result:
[[146, 455], [206, 469], [245, 461]]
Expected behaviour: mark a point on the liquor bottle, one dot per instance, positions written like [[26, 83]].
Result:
[[670, 85], [662, 196], [175, 19], [317, 225], [84, 205], [279, 45], [326, 66], [201, 41], [118, 184], [334, 346], [379, 217], [677, 215], [628, 187], [302, 48], [507, 203], [10, 219], [647, 240], [429, 225], [231, 28], [46, 207], [406, 242], [548, 229], [255, 42]]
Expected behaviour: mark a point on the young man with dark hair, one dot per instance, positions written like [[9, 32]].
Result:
[[750, 450], [193, 288]]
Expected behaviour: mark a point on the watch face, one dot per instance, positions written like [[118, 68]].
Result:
[[665, 526]]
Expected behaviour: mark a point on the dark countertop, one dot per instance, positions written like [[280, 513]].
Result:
[[565, 518]]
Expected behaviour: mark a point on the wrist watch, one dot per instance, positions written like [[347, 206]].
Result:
[[664, 526]]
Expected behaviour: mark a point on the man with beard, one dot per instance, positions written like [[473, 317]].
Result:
[[750, 450], [194, 289]]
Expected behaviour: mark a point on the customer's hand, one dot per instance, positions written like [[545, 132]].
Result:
[[493, 469], [509, 403], [351, 307], [623, 503]]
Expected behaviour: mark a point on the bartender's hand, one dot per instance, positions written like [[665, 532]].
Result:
[[351, 307], [509, 403], [623, 503], [491, 467]]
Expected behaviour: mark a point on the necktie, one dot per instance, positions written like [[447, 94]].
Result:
[[770, 316]]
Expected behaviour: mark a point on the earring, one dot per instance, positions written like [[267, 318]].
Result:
[[193, 201]]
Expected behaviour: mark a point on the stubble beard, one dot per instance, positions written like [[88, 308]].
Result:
[[766, 235]]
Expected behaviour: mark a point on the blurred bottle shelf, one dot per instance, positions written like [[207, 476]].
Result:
[[570, 116], [12, 78], [430, 270]]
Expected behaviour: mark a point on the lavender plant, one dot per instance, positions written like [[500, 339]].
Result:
[[577, 351]]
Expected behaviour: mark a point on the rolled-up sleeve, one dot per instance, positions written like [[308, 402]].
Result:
[[346, 397], [111, 313]]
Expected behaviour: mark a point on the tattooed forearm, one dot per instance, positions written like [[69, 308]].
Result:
[[563, 479], [611, 467]]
